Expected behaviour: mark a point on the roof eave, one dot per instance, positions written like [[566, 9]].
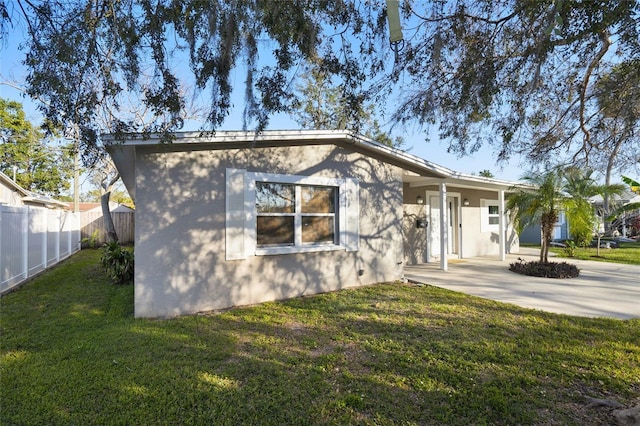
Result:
[[123, 152]]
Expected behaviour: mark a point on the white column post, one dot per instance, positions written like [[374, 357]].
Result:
[[427, 230], [501, 226], [444, 227]]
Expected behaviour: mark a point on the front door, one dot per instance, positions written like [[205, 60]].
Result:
[[451, 219]]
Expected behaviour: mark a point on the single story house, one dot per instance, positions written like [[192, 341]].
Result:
[[532, 234], [237, 218], [12, 194], [627, 197]]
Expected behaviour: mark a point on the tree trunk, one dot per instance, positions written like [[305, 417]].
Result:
[[547, 223], [108, 221], [607, 182]]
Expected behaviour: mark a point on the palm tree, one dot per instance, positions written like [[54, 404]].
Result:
[[633, 184], [541, 204], [556, 190]]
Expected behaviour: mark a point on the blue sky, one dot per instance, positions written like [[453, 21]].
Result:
[[12, 71]]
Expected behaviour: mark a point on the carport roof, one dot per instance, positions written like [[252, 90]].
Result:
[[418, 171]]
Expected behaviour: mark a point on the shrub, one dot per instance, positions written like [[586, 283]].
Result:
[[570, 248], [117, 262], [546, 270], [92, 241], [582, 238]]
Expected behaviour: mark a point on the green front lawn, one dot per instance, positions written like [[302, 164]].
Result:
[[627, 253], [72, 353]]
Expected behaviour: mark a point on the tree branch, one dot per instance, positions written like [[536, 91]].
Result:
[[605, 44]]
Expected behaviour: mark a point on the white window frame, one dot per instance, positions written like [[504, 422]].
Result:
[[297, 215], [485, 216], [241, 218]]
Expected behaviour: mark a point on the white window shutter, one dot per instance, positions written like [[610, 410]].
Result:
[[351, 230], [235, 214]]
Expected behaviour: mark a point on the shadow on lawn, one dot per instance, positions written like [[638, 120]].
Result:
[[386, 354]]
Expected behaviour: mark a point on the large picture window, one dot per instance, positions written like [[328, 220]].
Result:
[[280, 214], [289, 215]]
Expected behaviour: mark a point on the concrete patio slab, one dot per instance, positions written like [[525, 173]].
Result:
[[602, 289]]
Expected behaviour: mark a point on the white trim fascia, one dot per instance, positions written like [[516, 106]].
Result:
[[123, 152]]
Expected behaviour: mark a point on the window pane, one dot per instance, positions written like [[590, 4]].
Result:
[[318, 199], [275, 198], [274, 230], [493, 209], [494, 220], [318, 229]]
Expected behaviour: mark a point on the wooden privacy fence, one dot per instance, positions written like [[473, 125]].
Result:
[[93, 229], [33, 239]]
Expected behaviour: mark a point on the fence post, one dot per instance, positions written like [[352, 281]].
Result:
[[57, 237], [1, 254], [70, 231], [44, 239], [25, 243], [1, 245]]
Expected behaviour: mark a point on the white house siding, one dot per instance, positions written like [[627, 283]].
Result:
[[9, 196], [468, 230], [475, 242], [180, 230]]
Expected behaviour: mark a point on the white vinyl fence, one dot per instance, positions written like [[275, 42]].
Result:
[[33, 239]]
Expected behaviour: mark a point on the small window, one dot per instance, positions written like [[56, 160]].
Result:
[[490, 216], [494, 216]]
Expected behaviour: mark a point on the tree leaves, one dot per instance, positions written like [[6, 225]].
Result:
[[39, 168], [520, 76]]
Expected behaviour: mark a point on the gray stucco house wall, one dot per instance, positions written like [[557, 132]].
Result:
[[195, 239], [180, 234]]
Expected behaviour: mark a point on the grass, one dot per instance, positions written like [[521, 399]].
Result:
[[72, 353], [628, 253]]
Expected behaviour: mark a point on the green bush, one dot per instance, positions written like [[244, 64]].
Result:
[[91, 242], [117, 262], [570, 248], [582, 238]]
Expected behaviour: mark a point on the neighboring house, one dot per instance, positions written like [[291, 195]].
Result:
[[239, 218], [36, 232], [616, 201], [12, 194], [532, 234]]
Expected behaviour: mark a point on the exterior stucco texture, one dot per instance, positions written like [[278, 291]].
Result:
[[180, 229]]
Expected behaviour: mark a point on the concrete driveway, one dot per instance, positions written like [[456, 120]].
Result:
[[602, 289]]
